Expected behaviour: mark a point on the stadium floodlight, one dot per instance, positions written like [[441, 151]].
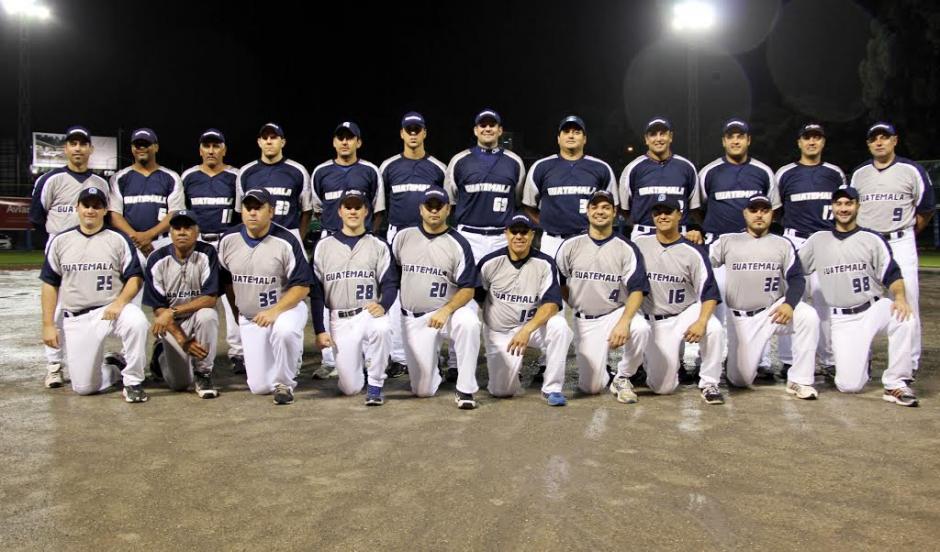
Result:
[[28, 9], [693, 15]]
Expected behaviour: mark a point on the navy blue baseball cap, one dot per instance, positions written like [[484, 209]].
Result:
[[93, 192], [347, 126], [413, 118], [601, 195], [212, 135], [77, 132], [572, 120], [144, 135], [260, 195], [850, 193], [522, 220], [671, 203], [882, 127], [490, 114], [735, 125], [183, 217], [812, 128], [658, 122], [435, 192], [352, 194], [273, 127], [759, 201]]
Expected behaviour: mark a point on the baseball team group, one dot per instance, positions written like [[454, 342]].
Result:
[[699, 287]]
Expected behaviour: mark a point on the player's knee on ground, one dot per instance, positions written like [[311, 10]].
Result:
[[666, 384], [85, 389], [848, 384], [350, 386]]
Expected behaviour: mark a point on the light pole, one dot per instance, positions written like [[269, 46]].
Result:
[[690, 20], [24, 12]]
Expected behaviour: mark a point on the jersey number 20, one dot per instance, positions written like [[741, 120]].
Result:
[[438, 289]]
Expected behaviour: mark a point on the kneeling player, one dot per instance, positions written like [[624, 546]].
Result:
[[856, 268], [182, 286], [683, 296], [521, 301], [356, 279]]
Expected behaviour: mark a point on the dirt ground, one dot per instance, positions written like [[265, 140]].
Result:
[[764, 471]]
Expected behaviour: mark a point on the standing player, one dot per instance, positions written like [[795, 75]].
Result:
[[355, 278], [804, 193], [765, 288], [897, 201], [557, 187], [683, 296], [604, 281], [438, 280], [285, 180], [856, 272], [210, 194], [181, 285], [521, 303], [53, 208], [658, 172], [267, 277], [92, 274], [484, 184]]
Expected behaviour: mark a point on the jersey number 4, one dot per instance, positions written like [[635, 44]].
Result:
[[267, 298]]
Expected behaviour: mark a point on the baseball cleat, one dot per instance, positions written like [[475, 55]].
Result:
[[540, 375], [283, 394], [115, 359], [54, 376], [204, 387], [903, 396], [451, 375], [465, 401], [324, 372], [784, 370], [807, 392], [135, 394], [374, 396], [156, 371], [396, 369], [238, 364], [555, 398], [621, 388], [712, 395]]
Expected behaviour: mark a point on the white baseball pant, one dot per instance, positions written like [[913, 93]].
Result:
[[397, 350], [357, 338], [483, 245], [272, 354], [592, 348], [818, 302], [423, 342], [852, 335], [662, 357], [177, 364], [503, 367], [53, 355], [84, 348], [905, 254], [748, 337], [222, 306]]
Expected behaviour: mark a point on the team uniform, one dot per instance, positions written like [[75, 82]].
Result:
[[170, 282], [330, 180], [484, 185], [855, 270], [600, 274], [560, 189], [261, 271], [645, 179], [289, 185], [805, 194], [762, 274], [433, 268], [90, 272], [680, 280], [890, 199], [212, 199], [350, 272], [512, 291]]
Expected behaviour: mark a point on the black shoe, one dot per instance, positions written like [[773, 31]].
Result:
[[283, 394], [115, 359], [540, 375], [396, 369], [784, 370], [638, 379], [238, 365], [204, 387], [156, 372], [451, 375], [829, 373], [465, 401], [135, 394], [764, 374], [687, 377], [712, 395]]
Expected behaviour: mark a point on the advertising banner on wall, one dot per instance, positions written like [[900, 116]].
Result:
[[49, 151]]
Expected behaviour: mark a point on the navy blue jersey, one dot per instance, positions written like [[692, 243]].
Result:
[[211, 198], [288, 183], [485, 185], [170, 282], [644, 179], [330, 180], [724, 189], [405, 182], [560, 189], [145, 200], [805, 193]]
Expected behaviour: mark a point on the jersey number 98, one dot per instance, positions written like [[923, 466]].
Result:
[[267, 298], [861, 284]]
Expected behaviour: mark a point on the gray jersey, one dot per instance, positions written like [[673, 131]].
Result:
[[889, 198], [89, 270], [352, 271], [55, 196], [516, 289], [433, 267], [852, 267], [758, 270], [679, 275], [600, 273], [170, 282], [262, 270]]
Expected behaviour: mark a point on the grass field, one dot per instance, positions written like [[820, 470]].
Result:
[[929, 258]]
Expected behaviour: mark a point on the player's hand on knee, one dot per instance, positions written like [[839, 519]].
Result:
[[50, 336], [375, 309], [265, 318], [782, 314], [324, 341], [438, 319], [619, 336], [901, 310], [695, 332], [517, 345], [112, 311], [695, 236]]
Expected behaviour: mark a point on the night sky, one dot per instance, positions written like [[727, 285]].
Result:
[[182, 67]]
